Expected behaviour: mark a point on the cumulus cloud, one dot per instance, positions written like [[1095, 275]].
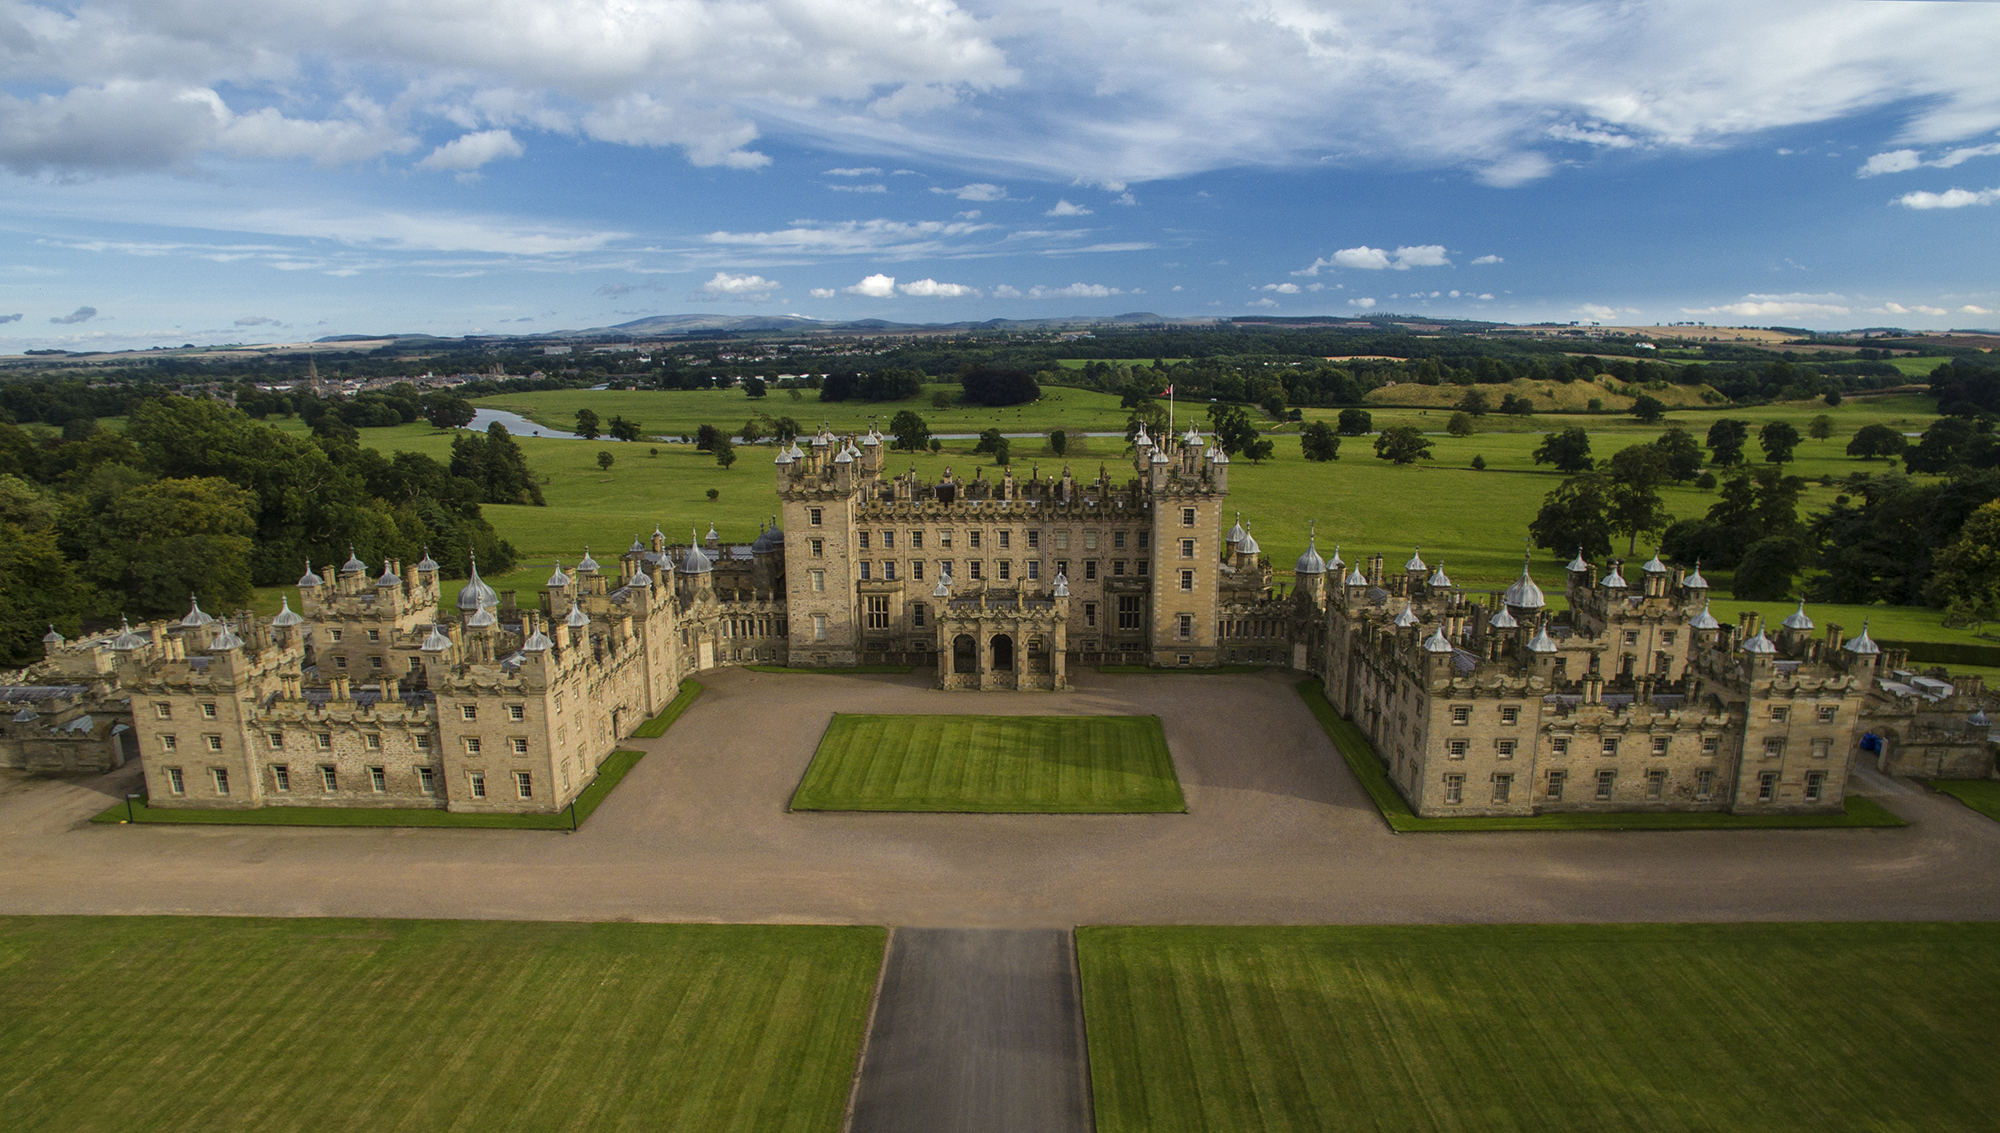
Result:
[[1075, 291], [875, 187], [1364, 304], [932, 289], [1006, 292], [1365, 258], [1599, 311], [467, 153], [1914, 309], [729, 285], [80, 315], [876, 286], [1125, 199], [1064, 208], [977, 191], [1489, 259], [1282, 288], [858, 171], [15, 318], [1968, 309], [823, 293], [1903, 160], [1793, 306], [1261, 303], [1949, 199]]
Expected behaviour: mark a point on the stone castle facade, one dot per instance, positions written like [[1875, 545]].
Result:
[[1478, 704]]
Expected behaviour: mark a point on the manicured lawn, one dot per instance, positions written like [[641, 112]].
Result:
[[989, 764], [1982, 795], [1779, 1027], [658, 725], [608, 777], [199, 1024], [1367, 766]]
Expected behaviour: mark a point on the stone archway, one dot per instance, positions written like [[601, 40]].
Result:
[[964, 654], [1003, 653]]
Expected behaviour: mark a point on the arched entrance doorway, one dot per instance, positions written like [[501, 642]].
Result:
[[964, 658], [1003, 653]]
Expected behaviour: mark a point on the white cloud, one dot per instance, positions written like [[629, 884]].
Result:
[[1486, 295], [854, 237], [1598, 311], [1793, 306], [1488, 259], [1064, 208], [822, 293], [1125, 199], [876, 286], [1895, 161], [729, 285], [1075, 291], [1005, 292], [1365, 258], [968, 214], [1949, 199], [862, 171], [1364, 304], [1968, 309], [871, 188], [471, 151], [80, 315], [977, 191], [1899, 309], [1421, 256], [1283, 288], [1592, 133], [1261, 303], [932, 289]]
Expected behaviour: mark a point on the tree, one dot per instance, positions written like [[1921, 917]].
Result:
[[587, 425], [1258, 451], [940, 400], [1966, 581], [1778, 439], [175, 538], [753, 431], [893, 384], [1871, 441], [1950, 442], [990, 440], [1682, 454], [495, 462], [1402, 444], [1460, 424], [1320, 442], [1633, 495], [755, 387], [1725, 441], [624, 429], [447, 411], [793, 393], [1568, 450], [1234, 432], [1058, 442], [1478, 463], [714, 494], [987, 385], [785, 430], [1768, 567], [1003, 453], [1648, 408], [1517, 406], [38, 584], [1573, 516], [910, 431], [1820, 427], [725, 452], [705, 438], [1355, 423], [1274, 405], [1474, 402], [1832, 397], [604, 460]]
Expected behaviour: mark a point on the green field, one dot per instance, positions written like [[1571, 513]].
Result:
[[1362, 759], [1982, 795], [992, 764], [199, 1024], [1805, 1027]]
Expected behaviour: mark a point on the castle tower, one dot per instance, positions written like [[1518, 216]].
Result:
[[1187, 554]]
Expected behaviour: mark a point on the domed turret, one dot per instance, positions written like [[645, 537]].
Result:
[[1654, 565], [1062, 586], [712, 538], [641, 579], [1439, 579], [1407, 618], [1437, 642], [195, 618], [1613, 581], [1355, 577], [437, 642], [588, 565], [475, 594], [558, 579], [1861, 645], [1524, 594], [638, 546], [1247, 546], [309, 579], [1578, 565], [427, 565], [1310, 563], [389, 577], [52, 639], [538, 642], [1798, 620], [1695, 581], [1704, 620], [127, 640], [1236, 531], [577, 618], [482, 618], [1501, 619], [225, 640], [1760, 645], [353, 565], [943, 587], [1541, 642], [286, 619], [1416, 562], [694, 562]]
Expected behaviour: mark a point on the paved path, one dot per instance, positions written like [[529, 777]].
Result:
[[1278, 832], [975, 1031]]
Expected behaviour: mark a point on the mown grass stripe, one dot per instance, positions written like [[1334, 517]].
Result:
[[656, 727]]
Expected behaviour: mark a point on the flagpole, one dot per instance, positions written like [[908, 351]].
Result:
[[1170, 411]]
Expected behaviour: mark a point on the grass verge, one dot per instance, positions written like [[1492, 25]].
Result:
[[428, 1025], [1982, 795], [831, 671], [1773, 1027], [1367, 767], [992, 764], [1209, 671], [656, 727], [609, 775]]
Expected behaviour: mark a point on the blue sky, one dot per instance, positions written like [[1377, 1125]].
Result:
[[275, 170]]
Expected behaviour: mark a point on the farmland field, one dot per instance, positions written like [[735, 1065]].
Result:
[[198, 1024], [1802, 1027], [991, 764]]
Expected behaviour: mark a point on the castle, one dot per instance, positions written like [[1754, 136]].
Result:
[[1478, 704]]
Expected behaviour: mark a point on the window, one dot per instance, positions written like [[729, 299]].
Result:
[[863, 537], [818, 547], [1556, 780], [175, 783], [519, 744], [221, 779], [1821, 749], [1090, 540], [819, 627], [276, 740], [1089, 569], [1826, 712], [1631, 637], [1034, 570], [1505, 748], [477, 783], [812, 517], [468, 712], [1062, 540], [208, 710], [864, 572], [1710, 744], [1461, 713], [329, 779], [1187, 580], [1006, 569], [214, 742], [944, 538], [1454, 789], [1605, 781], [889, 570], [1610, 747], [972, 539], [374, 635], [524, 784], [1145, 539], [517, 712], [472, 745], [1186, 627], [1667, 637], [1774, 748], [1510, 715], [422, 742], [1144, 567], [378, 779], [335, 633], [372, 741], [1034, 540], [1457, 748], [163, 711], [917, 570], [281, 777], [427, 780], [1656, 784], [340, 662], [1704, 784], [1118, 540], [323, 741], [1128, 612], [1118, 568], [1006, 540], [1780, 713], [1559, 745], [1187, 517], [1767, 786], [1090, 614], [917, 614], [1660, 745], [916, 540], [1187, 548], [1503, 786], [818, 581], [878, 611], [972, 568], [1815, 785], [888, 540]]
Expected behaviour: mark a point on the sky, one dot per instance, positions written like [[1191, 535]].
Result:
[[214, 171]]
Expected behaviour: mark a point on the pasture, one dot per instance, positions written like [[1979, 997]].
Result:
[[992, 764], [1773, 1027], [204, 1023]]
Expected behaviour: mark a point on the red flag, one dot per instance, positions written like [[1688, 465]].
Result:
[[1170, 391]]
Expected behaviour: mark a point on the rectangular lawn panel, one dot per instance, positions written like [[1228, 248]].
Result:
[[1805, 1027], [990, 764], [1982, 795], [200, 1024]]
